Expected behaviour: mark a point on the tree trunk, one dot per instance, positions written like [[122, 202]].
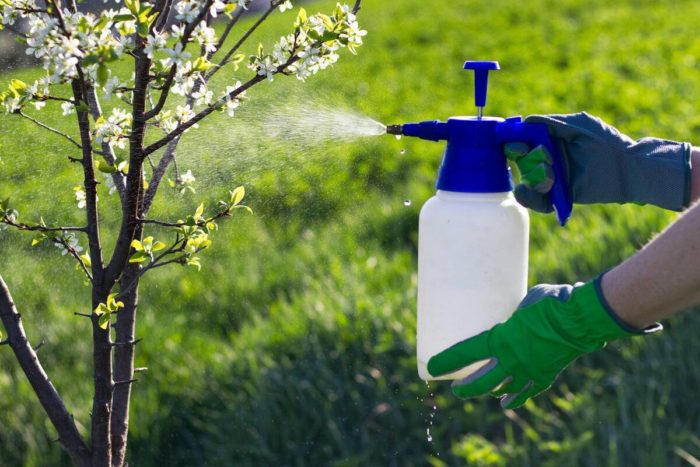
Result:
[[125, 330], [102, 400]]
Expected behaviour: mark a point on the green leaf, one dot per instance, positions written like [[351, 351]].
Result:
[[38, 240], [133, 6], [201, 64], [327, 22], [200, 210], [229, 8], [301, 17], [120, 18], [157, 246], [195, 262], [242, 206], [142, 29], [136, 245], [138, 257], [103, 166], [237, 195], [103, 321]]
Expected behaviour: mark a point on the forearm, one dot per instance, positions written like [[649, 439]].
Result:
[[664, 277]]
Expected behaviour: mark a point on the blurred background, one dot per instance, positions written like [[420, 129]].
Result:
[[295, 343]]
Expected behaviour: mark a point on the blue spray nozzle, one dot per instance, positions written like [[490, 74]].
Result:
[[481, 80], [474, 161]]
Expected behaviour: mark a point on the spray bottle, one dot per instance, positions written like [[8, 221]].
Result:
[[472, 235]]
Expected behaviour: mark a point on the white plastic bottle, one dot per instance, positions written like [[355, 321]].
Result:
[[472, 269]]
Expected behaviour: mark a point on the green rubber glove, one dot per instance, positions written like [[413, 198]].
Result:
[[523, 355], [602, 165]]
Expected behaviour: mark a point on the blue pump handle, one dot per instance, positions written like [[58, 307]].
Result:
[[481, 78], [535, 134]]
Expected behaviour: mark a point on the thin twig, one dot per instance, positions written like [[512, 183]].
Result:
[[237, 45], [84, 315], [121, 383], [52, 130], [75, 255], [41, 344], [232, 22], [134, 342], [201, 223], [40, 228]]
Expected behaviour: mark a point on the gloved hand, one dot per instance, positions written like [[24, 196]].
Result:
[[553, 326], [602, 165]]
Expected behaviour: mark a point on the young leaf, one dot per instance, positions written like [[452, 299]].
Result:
[[103, 320], [229, 8], [157, 246], [102, 74], [200, 210], [138, 257], [103, 166], [237, 195], [136, 245]]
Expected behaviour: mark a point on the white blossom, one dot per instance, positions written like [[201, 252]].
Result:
[[183, 113], [187, 10], [205, 36], [202, 96], [216, 7], [232, 103], [176, 56], [71, 243], [264, 67], [109, 183], [187, 178], [114, 130], [80, 197], [68, 108], [113, 86], [154, 42], [286, 5]]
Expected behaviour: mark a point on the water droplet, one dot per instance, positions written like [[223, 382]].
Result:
[[402, 152], [407, 202], [429, 436], [398, 136]]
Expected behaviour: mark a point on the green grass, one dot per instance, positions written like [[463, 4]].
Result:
[[295, 344]]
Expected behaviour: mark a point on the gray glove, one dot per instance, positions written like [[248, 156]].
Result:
[[603, 165]]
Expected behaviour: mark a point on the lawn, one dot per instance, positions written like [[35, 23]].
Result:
[[295, 343]]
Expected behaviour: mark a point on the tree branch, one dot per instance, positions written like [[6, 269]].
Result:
[[49, 398], [203, 113]]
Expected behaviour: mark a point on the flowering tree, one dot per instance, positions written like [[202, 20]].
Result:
[[175, 52]]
